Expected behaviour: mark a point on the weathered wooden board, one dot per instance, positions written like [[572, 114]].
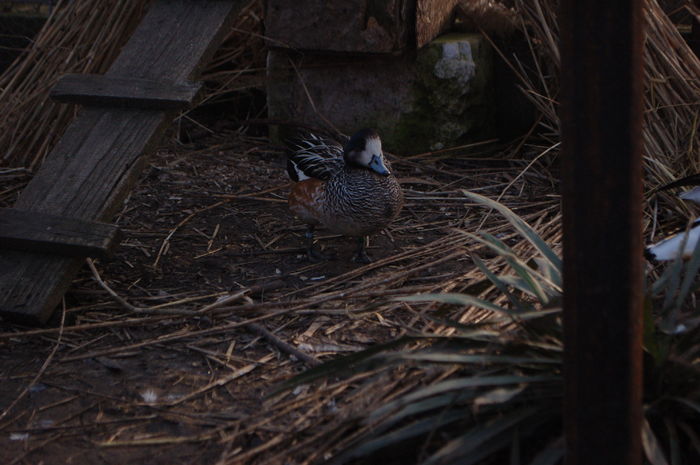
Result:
[[433, 17], [41, 232], [98, 159], [95, 89], [365, 26], [357, 26]]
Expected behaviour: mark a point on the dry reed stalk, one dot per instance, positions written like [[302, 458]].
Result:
[[84, 36], [80, 36], [671, 140], [239, 63]]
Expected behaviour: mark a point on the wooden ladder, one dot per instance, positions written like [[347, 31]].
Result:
[[59, 218]]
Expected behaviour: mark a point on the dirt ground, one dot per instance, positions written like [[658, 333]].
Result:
[[167, 372]]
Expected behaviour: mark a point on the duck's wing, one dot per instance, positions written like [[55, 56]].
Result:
[[693, 195], [681, 244], [313, 156]]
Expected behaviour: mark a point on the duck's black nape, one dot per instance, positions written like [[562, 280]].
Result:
[[358, 141]]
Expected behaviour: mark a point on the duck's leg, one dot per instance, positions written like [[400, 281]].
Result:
[[312, 252], [360, 254]]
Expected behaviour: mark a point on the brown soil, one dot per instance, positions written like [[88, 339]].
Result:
[[160, 378]]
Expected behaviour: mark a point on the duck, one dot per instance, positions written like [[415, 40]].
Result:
[[348, 189], [678, 245], [683, 243]]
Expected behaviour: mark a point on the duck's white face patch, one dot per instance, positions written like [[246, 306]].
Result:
[[365, 150], [373, 147], [364, 157]]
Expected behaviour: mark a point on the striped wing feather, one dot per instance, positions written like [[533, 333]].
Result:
[[312, 156]]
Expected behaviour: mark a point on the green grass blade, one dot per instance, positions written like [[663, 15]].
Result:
[[651, 446], [502, 286], [548, 270], [476, 381], [674, 279], [522, 227], [662, 283], [500, 248], [521, 269], [456, 299], [649, 337], [515, 449], [403, 410], [691, 435], [481, 359], [552, 454], [466, 330], [688, 403], [417, 428], [518, 283], [673, 442], [476, 440]]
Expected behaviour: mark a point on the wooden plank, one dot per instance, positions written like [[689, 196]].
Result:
[[95, 89], [357, 26], [601, 120], [41, 232], [433, 17], [99, 158]]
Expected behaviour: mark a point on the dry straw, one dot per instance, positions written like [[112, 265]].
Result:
[[671, 147], [85, 36], [323, 418], [79, 36]]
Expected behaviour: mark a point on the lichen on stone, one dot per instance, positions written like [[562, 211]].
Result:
[[456, 63]]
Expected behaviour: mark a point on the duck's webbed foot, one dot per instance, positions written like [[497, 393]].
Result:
[[313, 253], [360, 254]]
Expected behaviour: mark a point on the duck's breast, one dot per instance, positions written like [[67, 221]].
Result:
[[361, 203]]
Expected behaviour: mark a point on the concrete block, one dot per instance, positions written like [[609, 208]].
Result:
[[439, 97]]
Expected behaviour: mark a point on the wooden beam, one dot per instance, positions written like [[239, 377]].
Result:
[[41, 232], [601, 121], [149, 94], [433, 17], [98, 159]]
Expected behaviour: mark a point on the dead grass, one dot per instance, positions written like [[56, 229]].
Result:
[[671, 147], [166, 352], [173, 344], [84, 36]]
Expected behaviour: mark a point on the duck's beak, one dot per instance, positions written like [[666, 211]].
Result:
[[377, 165]]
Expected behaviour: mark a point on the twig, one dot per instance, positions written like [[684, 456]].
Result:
[[121, 301], [222, 381], [283, 346]]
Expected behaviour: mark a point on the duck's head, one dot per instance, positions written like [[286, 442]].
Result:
[[364, 149]]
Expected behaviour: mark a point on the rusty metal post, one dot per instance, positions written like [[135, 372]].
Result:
[[601, 116]]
